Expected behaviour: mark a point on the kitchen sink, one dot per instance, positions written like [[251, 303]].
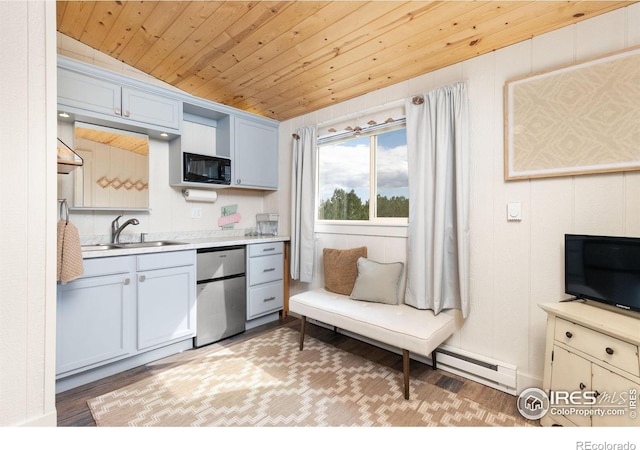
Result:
[[97, 247], [148, 244]]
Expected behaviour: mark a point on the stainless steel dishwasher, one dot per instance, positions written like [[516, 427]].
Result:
[[221, 294]]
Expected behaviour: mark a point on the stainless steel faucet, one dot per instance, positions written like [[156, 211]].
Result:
[[116, 229]]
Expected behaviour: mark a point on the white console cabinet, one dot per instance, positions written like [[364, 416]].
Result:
[[591, 352]]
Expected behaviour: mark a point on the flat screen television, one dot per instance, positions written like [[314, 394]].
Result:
[[604, 269]]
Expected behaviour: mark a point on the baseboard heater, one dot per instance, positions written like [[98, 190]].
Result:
[[495, 374]]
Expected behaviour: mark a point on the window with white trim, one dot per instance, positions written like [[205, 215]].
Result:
[[363, 176]]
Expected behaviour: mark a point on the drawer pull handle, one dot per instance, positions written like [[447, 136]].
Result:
[[582, 386], [142, 278], [569, 334], [126, 281], [268, 299], [270, 249], [609, 351], [269, 270]]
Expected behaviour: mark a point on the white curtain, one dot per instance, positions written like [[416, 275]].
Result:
[[303, 175], [438, 156]]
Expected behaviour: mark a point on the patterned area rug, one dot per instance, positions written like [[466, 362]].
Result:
[[267, 381]]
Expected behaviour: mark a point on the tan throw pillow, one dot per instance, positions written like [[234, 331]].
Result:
[[377, 282], [341, 269]]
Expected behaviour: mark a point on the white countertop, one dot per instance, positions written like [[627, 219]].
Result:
[[186, 244]]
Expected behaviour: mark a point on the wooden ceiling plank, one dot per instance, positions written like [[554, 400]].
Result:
[[348, 88], [180, 27], [104, 15], [264, 58], [354, 52], [403, 53], [74, 20], [238, 31], [125, 26], [153, 31], [61, 7], [310, 21], [254, 46], [299, 57], [199, 48]]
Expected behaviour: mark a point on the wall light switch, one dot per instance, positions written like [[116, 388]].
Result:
[[514, 212], [196, 213]]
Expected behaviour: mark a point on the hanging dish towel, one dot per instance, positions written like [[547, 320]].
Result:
[[69, 252]]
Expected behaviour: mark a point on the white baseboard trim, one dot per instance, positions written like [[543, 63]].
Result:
[[49, 419]]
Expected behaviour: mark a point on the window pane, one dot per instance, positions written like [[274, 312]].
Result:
[[392, 172], [344, 180]]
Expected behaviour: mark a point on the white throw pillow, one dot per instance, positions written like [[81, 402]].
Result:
[[377, 282]]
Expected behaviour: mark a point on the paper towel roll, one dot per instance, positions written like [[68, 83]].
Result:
[[199, 195]]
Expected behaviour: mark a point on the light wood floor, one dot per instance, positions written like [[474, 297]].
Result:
[[73, 410]]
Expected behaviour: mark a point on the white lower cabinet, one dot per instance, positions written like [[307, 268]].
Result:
[[96, 316], [166, 299], [123, 307], [265, 283], [592, 367]]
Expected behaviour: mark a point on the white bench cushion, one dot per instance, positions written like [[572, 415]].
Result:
[[402, 326]]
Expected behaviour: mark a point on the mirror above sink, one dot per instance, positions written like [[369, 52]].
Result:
[[115, 174]]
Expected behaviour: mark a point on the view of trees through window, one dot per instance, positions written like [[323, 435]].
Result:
[[353, 171]]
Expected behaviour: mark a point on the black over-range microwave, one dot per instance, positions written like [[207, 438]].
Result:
[[206, 169]]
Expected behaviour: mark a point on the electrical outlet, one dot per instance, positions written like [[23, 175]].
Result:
[[196, 213]]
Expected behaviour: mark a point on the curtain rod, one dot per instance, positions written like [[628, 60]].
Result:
[[382, 107]]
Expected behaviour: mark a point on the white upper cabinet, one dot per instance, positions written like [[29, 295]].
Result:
[[106, 98], [255, 156]]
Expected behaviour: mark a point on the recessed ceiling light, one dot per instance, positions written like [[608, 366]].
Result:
[[164, 134], [63, 114]]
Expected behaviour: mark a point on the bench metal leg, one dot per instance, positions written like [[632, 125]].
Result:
[[405, 370], [303, 326], [433, 360]]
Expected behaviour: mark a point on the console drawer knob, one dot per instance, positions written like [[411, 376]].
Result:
[[609, 350], [569, 334]]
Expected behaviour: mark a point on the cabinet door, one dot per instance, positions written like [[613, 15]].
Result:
[[89, 93], [571, 373], [150, 108], [166, 306], [255, 158], [617, 399], [94, 321]]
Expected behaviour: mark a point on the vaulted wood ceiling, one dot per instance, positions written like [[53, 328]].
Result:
[[282, 59]]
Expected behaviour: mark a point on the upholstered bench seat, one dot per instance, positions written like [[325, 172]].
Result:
[[401, 326]]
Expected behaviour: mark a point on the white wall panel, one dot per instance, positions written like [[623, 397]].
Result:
[[599, 201], [27, 199], [602, 34]]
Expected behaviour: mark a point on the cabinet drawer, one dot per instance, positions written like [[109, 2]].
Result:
[[265, 299], [268, 248], [162, 260], [620, 354], [265, 269], [112, 265]]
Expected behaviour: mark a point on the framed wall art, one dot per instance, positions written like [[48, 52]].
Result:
[[578, 119]]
